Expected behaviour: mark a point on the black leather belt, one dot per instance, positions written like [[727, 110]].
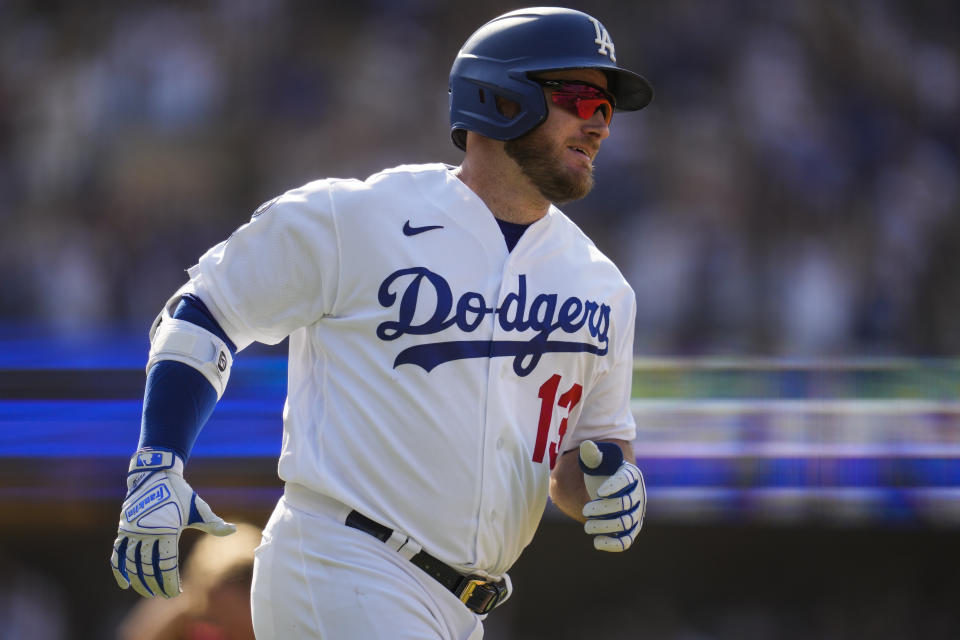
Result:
[[479, 594]]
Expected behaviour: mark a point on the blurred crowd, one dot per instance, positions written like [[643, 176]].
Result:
[[791, 191]]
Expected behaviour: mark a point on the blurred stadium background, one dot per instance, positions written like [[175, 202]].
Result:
[[787, 211]]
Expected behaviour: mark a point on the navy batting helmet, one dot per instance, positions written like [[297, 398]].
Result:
[[499, 57]]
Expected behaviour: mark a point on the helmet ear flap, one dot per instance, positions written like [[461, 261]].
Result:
[[495, 111], [506, 107]]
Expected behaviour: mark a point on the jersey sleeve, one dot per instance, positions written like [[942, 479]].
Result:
[[276, 273], [606, 409]]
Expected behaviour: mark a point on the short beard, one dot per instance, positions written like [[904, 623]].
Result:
[[540, 163]]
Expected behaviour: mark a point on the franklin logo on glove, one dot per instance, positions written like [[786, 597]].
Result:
[[157, 496]]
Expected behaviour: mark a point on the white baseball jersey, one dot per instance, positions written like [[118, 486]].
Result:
[[433, 376]]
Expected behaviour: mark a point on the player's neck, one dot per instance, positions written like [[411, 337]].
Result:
[[506, 191]]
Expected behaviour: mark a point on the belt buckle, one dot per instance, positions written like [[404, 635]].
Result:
[[479, 595]]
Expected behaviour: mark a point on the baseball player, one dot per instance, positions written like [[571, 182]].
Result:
[[454, 342]]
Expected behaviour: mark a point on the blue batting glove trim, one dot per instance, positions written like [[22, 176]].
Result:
[[614, 516], [139, 565], [122, 559], [612, 457], [194, 516], [145, 464], [627, 489], [151, 459], [156, 566]]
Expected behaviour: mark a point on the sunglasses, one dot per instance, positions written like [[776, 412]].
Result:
[[580, 98]]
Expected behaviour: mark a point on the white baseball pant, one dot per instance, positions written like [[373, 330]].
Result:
[[314, 577]]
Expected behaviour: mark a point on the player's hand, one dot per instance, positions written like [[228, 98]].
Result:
[[158, 507], [615, 515]]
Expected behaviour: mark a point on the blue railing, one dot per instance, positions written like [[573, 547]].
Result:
[[874, 439]]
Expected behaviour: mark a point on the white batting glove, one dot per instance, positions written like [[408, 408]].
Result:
[[615, 515], [158, 507]]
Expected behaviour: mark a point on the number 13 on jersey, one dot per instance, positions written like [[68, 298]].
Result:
[[548, 400]]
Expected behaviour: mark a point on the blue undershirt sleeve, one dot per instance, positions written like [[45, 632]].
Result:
[[178, 400]]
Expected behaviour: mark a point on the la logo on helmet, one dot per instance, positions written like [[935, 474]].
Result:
[[603, 39]]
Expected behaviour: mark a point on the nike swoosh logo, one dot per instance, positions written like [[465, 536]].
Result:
[[412, 231]]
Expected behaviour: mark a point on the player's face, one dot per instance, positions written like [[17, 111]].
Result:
[[558, 155]]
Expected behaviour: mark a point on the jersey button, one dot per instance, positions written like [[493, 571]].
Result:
[[499, 443]]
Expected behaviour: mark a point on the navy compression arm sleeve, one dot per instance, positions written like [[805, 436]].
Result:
[[178, 400]]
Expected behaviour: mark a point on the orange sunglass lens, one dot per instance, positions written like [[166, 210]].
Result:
[[583, 100], [586, 107]]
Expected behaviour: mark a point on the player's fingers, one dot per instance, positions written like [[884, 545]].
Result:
[[135, 569], [118, 562], [130, 564], [167, 567], [623, 500], [623, 481], [150, 563], [615, 543], [607, 506], [623, 522]]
